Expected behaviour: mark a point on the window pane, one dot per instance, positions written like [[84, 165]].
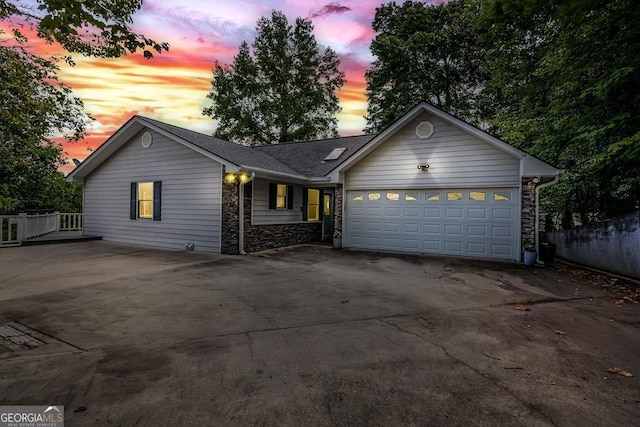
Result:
[[313, 204], [454, 195], [393, 196], [145, 209], [145, 191], [478, 195], [502, 195], [313, 213], [314, 197], [432, 196], [281, 198], [357, 197], [410, 196], [145, 200], [327, 204], [374, 196]]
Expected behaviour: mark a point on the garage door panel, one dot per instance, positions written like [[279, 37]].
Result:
[[500, 231], [476, 231], [453, 230], [411, 212], [432, 213], [477, 213], [479, 249], [502, 213], [431, 229], [411, 227], [453, 213], [392, 212], [481, 223], [453, 247]]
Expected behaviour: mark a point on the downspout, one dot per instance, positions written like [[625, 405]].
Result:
[[241, 214], [537, 226]]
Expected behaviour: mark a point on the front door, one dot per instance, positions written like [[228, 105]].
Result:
[[327, 217]]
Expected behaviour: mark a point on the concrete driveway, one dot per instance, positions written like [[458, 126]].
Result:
[[123, 335]]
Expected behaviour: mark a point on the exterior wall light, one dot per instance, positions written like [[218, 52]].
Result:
[[230, 178], [423, 167]]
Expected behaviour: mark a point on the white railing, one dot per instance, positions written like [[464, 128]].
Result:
[[70, 222], [14, 229], [38, 225], [9, 226]]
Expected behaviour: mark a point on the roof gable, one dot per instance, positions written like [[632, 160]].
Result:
[[531, 166]]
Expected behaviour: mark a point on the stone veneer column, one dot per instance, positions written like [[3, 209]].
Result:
[[230, 212], [528, 216], [337, 212]]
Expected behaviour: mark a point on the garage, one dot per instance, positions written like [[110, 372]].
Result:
[[461, 222]]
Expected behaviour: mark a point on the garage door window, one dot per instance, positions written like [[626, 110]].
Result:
[[502, 196], [393, 196], [478, 195], [373, 196], [454, 195], [432, 196], [357, 197], [410, 196]]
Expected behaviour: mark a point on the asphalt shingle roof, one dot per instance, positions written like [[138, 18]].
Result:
[[305, 158], [232, 152]]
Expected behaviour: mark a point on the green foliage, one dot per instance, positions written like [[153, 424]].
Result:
[[565, 79], [35, 106], [86, 27], [283, 88], [423, 53]]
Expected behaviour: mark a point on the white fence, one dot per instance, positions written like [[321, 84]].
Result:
[[14, 229]]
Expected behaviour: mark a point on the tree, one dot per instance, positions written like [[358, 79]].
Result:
[[35, 106], [281, 89], [565, 78], [423, 53], [91, 28]]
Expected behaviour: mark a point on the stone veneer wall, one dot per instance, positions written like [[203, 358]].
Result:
[[337, 212], [263, 237], [528, 217], [230, 211]]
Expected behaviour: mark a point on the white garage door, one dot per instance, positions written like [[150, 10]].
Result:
[[470, 222]]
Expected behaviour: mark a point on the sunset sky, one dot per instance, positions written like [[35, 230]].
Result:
[[172, 87]]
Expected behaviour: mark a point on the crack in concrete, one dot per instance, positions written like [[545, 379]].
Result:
[[250, 345], [490, 378]]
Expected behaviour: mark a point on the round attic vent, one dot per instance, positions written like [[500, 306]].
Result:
[[147, 140], [424, 130]]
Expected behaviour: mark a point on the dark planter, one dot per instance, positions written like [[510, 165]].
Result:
[[547, 253]]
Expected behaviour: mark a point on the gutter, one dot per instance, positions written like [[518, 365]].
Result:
[[241, 214], [537, 227]]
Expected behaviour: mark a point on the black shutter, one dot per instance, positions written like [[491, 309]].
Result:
[[157, 199], [321, 205], [289, 197], [305, 204], [273, 192], [133, 204]]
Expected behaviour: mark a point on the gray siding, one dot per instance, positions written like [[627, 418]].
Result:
[[191, 196], [260, 212], [455, 158]]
